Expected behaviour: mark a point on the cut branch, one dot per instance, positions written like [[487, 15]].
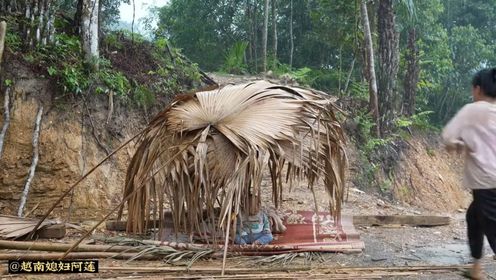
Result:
[[34, 163], [6, 119]]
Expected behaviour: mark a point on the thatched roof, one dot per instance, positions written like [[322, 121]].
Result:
[[210, 149]]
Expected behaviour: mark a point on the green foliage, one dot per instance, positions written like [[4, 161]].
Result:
[[303, 76], [143, 96], [115, 81], [234, 60], [111, 41], [13, 41], [8, 82], [359, 90], [420, 121], [73, 80]]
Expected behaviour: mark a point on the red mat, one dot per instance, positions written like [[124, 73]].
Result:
[[309, 232], [306, 232]]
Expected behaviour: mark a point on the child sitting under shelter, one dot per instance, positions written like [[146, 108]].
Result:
[[254, 229]]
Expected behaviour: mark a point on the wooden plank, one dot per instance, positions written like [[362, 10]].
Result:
[[379, 220]]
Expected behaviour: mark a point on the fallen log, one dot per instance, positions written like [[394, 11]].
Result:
[[423, 221], [34, 163]]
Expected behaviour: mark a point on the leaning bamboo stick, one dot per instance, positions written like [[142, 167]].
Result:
[[34, 163]]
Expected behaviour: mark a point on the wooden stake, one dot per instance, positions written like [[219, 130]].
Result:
[[34, 163], [6, 118]]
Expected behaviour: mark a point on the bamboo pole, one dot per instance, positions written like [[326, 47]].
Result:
[[295, 269], [61, 247], [6, 119], [42, 256], [226, 242], [34, 163]]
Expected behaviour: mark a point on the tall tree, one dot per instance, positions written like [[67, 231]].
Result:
[[265, 33], [274, 31], [291, 38], [388, 64], [89, 32], [38, 26], [370, 65], [411, 73]]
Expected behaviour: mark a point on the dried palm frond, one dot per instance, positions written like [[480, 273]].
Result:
[[12, 227], [210, 149], [168, 254]]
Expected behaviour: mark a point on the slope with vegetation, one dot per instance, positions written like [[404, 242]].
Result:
[[90, 105]]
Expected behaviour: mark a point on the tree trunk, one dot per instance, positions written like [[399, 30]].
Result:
[[388, 64], [249, 32], [255, 33], [77, 17], [370, 65], [89, 33], [274, 30], [132, 23], [6, 119], [3, 33], [291, 40], [265, 33], [412, 73], [38, 24]]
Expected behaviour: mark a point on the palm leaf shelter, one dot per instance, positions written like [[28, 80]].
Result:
[[204, 157]]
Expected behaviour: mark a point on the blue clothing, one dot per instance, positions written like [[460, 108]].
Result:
[[251, 229], [262, 238]]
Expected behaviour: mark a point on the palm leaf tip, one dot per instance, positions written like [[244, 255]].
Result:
[[210, 150]]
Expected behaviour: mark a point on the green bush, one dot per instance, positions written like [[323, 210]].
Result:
[[235, 59]]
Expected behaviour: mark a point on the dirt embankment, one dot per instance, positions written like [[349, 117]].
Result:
[[68, 149], [429, 177], [426, 177]]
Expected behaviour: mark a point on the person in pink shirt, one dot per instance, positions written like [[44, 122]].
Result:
[[473, 131]]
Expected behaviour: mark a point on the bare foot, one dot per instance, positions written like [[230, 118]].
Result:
[[476, 271]]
